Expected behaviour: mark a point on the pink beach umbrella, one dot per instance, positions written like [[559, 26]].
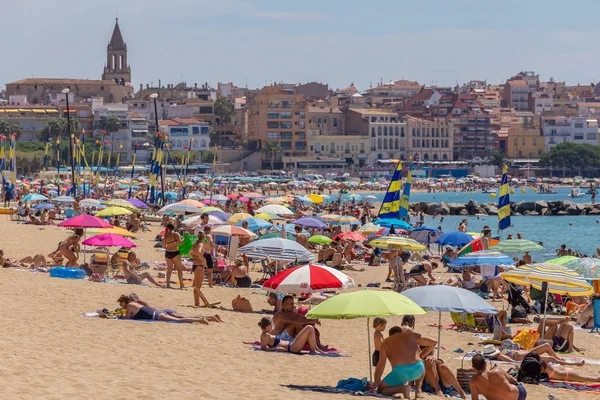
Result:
[[243, 199], [109, 240], [210, 203], [85, 221]]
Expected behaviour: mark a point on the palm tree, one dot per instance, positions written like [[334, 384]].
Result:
[[272, 149], [7, 128], [498, 158], [54, 129]]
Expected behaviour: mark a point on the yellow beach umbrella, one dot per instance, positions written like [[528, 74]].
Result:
[[115, 230], [560, 280], [235, 218], [315, 198], [112, 211], [265, 216], [121, 203], [396, 243]]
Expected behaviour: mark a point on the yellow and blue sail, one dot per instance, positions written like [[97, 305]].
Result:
[[391, 204], [504, 202], [404, 199]]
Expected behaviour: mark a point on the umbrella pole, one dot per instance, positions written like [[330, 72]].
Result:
[[545, 308], [369, 346], [439, 333]]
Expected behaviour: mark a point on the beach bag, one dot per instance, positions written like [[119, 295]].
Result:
[[353, 384], [536, 294], [241, 304], [530, 370], [188, 243], [463, 376], [526, 338], [518, 312]]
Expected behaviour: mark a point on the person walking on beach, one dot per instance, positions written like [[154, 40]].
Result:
[[208, 247], [495, 384], [170, 243], [402, 349]]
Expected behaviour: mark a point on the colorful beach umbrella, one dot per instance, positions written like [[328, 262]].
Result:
[[120, 203], [276, 235], [560, 280], [355, 236], [516, 246], [90, 203], [562, 260], [366, 304], [483, 257], [255, 224], [275, 209], [315, 198], [197, 220], [64, 199], [455, 239], [396, 243], [425, 234], [108, 240], [193, 202], [181, 209], [320, 239], [114, 230], [396, 223], [237, 217], [310, 222], [308, 279], [34, 197], [265, 216], [345, 220], [85, 221], [137, 203], [369, 228], [589, 268], [276, 249], [475, 245], [252, 195], [112, 211], [230, 230]]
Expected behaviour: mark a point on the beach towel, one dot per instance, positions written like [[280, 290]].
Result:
[[331, 389], [590, 387], [329, 351]]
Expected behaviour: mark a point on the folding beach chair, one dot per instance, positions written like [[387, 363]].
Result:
[[467, 322]]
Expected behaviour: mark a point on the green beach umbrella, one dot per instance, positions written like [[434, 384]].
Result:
[[366, 304], [321, 239], [516, 246], [276, 235], [562, 260]]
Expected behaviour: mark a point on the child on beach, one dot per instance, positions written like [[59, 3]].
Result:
[[379, 325]]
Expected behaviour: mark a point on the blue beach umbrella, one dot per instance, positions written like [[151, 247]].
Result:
[[448, 299], [289, 228], [456, 239], [397, 223], [43, 206], [34, 197], [482, 257], [255, 224]]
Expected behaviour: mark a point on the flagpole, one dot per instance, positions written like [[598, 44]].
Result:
[[44, 167], [132, 169]]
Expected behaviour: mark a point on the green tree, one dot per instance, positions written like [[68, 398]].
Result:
[[223, 109], [498, 158], [110, 124], [6, 128], [571, 156], [271, 150], [57, 129]]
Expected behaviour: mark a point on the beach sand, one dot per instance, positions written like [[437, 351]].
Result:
[[51, 352]]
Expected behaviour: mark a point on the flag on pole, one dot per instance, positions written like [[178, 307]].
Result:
[[504, 201], [390, 206]]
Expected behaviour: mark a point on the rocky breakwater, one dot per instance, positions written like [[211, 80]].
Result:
[[540, 207]]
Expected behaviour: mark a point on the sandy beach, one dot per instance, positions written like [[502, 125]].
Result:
[[52, 352]]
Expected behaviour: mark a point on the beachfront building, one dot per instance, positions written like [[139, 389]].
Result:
[[180, 131], [277, 124], [353, 149], [385, 129], [569, 129], [393, 92], [139, 136], [121, 139], [31, 120], [429, 140], [524, 142], [474, 136]]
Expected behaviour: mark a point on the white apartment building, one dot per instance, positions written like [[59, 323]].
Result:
[[181, 131], [579, 130], [121, 139]]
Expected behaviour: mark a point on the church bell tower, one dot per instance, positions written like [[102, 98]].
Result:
[[116, 68]]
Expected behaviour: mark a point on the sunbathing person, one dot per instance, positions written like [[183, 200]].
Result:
[[566, 374], [170, 311], [135, 310], [560, 332], [132, 276], [545, 351], [287, 323], [586, 318], [340, 263], [239, 274], [270, 342], [36, 261]]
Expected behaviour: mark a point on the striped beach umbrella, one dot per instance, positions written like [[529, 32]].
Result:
[[345, 220], [369, 228], [589, 268], [396, 243], [475, 244], [276, 249], [255, 224], [516, 246], [482, 257], [560, 280], [307, 279]]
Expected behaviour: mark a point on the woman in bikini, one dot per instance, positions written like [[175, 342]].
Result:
[[198, 265], [269, 342], [134, 310], [69, 248], [170, 243], [566, 374]]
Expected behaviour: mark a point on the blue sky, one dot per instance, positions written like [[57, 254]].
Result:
[[332, 41]]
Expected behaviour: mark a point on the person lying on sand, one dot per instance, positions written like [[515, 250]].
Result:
[[135, 310], [36, 261], [170, 311], [545, 351], [560, 333], [270, 342], [566, 374], [133, 277]]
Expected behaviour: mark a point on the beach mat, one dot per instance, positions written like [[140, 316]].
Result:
[[332, 389], [590, 387]]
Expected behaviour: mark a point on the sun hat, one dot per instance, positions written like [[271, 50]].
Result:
[[489, 350]]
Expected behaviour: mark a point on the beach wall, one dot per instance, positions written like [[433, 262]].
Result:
[[540, 207]]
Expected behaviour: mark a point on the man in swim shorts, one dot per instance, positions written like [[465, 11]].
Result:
[[494, 384], [403, 349]]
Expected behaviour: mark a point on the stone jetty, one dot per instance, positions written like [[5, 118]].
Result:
[[540, 207]]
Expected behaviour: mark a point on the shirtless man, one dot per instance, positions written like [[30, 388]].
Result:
[[402, 349], [301, 237], [133, 278], [462, 227], [287, 322], [495, 384], [208, 248]]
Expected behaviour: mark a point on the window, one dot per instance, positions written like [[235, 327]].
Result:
[[385, 131], [444, 157], [202, 143], [302, 114], [301, 124], [391, 141], [286, 135], [397, 144], [378, 131], [578, 124], [362, 147], [285, 115], [301, 135], [272, 115], [195, 130], [272, 125], [373, 145], [591, 136], [179, 143], [286, 145], [413, 132], [378, 143], [523, 142], [335, 123], [300, 145], [534, 141], [272, 135], [396, 131], [373, 132], [401, 131], [385, 144], [286, 125], [286, 104], [273, 104]]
